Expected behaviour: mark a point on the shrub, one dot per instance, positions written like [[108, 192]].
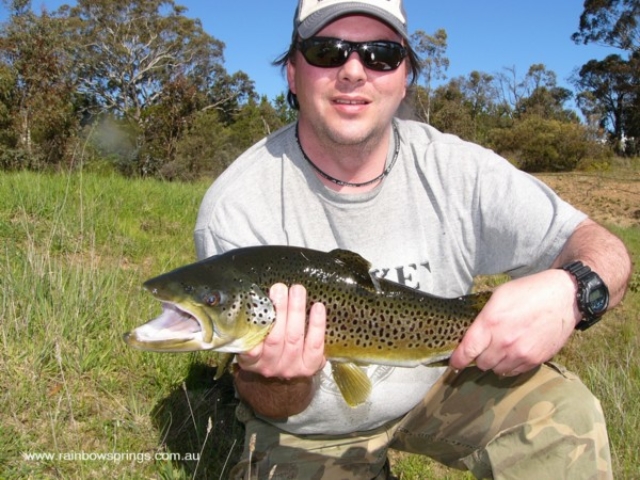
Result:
[[535, 144]]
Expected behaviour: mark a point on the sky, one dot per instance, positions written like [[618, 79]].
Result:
[[486, 36]]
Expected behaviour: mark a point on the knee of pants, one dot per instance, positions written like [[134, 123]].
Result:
[[561, 434], [568, 407]]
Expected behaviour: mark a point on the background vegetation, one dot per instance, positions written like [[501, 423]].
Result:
[[141, 89]]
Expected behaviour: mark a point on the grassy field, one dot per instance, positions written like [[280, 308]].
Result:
[[75, 402]]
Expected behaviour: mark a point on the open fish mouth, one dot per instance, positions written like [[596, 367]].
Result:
[[173, 325]]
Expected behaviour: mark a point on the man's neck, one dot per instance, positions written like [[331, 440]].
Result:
[[347, 168]]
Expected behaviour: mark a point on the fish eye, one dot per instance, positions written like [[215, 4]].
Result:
[[212, 299]]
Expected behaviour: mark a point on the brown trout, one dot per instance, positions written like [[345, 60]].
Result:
[[222, 304]]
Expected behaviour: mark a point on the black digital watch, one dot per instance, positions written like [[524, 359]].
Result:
[[592, 295]]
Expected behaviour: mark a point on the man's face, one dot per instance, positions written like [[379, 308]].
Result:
[[350, 104]]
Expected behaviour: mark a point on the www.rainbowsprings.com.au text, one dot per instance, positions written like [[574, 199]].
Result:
[[116, 457]]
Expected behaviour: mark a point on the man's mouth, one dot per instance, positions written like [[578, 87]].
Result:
[[350, 102]]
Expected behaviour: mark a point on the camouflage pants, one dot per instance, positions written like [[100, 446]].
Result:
[[542, 424]]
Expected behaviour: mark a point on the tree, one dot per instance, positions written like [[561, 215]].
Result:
[[434, 65], [286, 114], [205, 149], [128, 50], [255, 121], [38, 97], [610, 22], [480, 91], [466, 106], [609, 93], [536, 93], [535, 131], [228, 94], [149, 66], [449, 110], [212, 143], [543, 97]]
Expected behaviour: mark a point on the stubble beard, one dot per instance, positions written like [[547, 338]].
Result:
[[359, 144]]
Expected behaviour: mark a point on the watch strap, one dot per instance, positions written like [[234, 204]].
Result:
[[581, 273]]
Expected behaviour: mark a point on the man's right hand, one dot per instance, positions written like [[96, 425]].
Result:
[[276, 377], [288, 351]]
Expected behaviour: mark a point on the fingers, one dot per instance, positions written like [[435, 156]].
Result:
[[295, 310], [524, 324], [492, 351], [512, 360], [313, 356], [287, 352], [475, 342]]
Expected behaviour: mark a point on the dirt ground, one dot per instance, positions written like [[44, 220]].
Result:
[[607, 198]]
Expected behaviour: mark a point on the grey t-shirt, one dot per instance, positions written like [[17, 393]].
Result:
[[448, 210]]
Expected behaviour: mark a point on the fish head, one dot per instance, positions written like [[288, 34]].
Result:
[[205, 308]]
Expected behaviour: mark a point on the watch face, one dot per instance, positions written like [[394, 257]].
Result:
[[598, 300], [593, 294]]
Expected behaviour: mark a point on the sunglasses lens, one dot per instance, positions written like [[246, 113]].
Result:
[[332, 52], [382, 56], [325, 53]]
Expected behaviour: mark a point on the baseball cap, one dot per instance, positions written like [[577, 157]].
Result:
[[312, 15]]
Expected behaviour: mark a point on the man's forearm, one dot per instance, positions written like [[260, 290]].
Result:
[[603, 252], [274, 397]]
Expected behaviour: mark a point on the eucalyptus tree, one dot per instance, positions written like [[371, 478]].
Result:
[[610, 88], [151, 68], [127, 51], [466, 105], [612, 23], [36, 93], [434, 64], [543, 96], [609, 96]]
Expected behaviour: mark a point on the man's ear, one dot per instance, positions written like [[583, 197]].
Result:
[[291, 75]]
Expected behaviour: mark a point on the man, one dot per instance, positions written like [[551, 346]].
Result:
[[432, 212]]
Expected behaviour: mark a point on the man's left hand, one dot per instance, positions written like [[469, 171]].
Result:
[[524, 324]]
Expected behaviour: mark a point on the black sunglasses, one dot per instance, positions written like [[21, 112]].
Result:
[[328, 52]]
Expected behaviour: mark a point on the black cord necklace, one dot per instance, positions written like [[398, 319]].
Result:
[[342, 183]]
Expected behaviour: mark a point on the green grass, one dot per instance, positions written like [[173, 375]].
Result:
[[607, 358], [74, 252]]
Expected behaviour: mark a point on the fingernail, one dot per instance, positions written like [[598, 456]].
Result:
[[278, 292], [298, 289]]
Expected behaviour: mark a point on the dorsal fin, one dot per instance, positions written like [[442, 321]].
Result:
[[357, 265], [352, 260]]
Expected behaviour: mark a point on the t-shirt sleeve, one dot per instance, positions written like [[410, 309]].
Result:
[[520, 224]]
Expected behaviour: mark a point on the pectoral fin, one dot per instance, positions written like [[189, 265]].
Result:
[[352, 381], [223, 362]]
